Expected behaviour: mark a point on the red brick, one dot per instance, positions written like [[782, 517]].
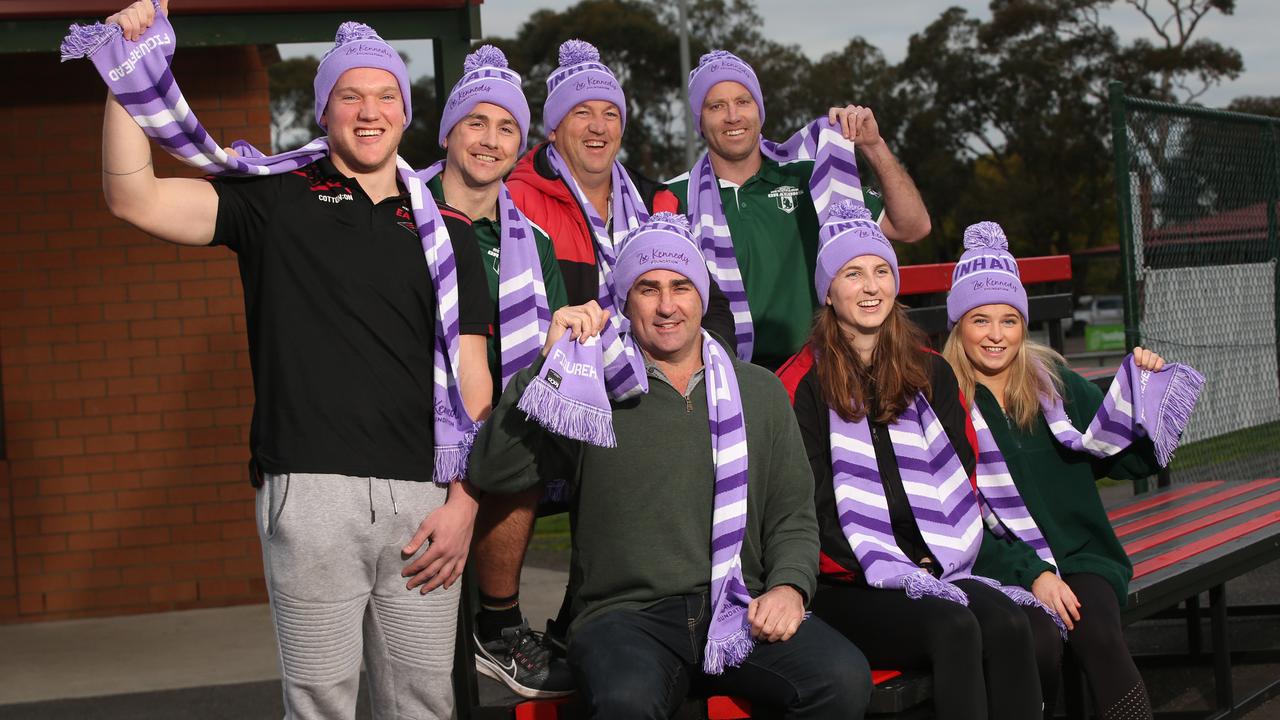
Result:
[[140, 461], [31, 392], [185, 420], [154, 253], [22, 468], [219, 324], [146, 575], [193, 308], [45, 583], [139, 329], [223, 588], [91, 502], [182, 345], [212, 399], [29, 355], [52, 408], [31, 430], [35, 222], [101, 294], [147, 292], [231, 342], [74, 524], [104, 331], [85, 426], [132, 386], [76, 277], [178, 271], [121, 557], [109, 405], [162, 440], [25, 317], [118, 443], [180, 515], [123, 480], [100, 257], [131, 348], [48, 297], [68, 562], [227, 435], [116, 519], [64, 484], [59, 447], [246, 529], [186, 382], [31, 604], [99, 578], [79, 389], [129, 311], [99, 540], [92, 219], [38, 506], [161, 365], [174, 592], [78, 351], [42, 544], [223, 511], [106, 369], [233, 416], [76, 315], [137, 423], [196, 533], [186, 567], [88, 464], [216, 287], [128, 499]]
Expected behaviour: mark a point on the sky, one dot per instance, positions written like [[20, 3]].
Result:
[[812, 24]]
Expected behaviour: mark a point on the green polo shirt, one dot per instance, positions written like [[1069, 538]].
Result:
[[488, 234], [775, 238]]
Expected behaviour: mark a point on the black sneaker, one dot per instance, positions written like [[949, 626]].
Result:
[[522, 661]]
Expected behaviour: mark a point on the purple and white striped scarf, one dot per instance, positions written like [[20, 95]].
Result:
[[629, 212], [523, 312], [139, 75], [1139, 403], [577, 383], [834, 178], [945, 507]]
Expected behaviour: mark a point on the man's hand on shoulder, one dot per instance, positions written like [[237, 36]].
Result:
[[776, 615]]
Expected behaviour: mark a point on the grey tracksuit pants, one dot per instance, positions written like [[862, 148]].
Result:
[[331, 554]]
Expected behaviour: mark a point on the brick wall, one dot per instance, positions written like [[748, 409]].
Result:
[[126, 387]]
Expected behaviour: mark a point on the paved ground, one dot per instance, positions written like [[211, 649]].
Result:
[[215, 664]]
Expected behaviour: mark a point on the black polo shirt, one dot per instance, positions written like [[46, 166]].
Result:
[[341, 319]]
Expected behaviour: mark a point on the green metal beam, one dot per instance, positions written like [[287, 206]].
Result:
[[1124, 205]]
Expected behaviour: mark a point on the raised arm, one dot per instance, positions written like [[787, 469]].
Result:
[[906, 218], [178, 210]]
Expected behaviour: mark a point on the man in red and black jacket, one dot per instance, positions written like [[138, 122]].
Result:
[[560, 185]]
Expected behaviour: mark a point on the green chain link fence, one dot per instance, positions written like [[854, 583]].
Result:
[[1197, 191]]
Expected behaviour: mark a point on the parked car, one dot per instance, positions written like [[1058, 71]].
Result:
[[1095, 310]]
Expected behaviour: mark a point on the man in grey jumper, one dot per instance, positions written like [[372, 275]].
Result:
[[642, 524]]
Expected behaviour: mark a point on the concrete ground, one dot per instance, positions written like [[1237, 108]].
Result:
[[221, 663]]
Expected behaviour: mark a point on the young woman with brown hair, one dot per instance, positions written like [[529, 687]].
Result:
[[899, 523]]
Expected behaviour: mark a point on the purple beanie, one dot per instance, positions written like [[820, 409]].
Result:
[[715, 67], [987, 274], [850, 232], [358, 46], [580, 77], [486, 78], [662, 242]]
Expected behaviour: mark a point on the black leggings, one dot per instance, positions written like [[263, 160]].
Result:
[[992, 644], [1097, 643]]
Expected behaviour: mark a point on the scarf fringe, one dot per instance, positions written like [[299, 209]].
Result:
[[451, 463], [567, 417], [724, 653], [1175, 411], [920, 584], [84, 40], [1024, 597]]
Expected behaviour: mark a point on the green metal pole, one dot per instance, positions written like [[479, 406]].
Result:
[[1124, 205], [1273, 233]]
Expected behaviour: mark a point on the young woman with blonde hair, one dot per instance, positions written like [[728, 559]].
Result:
[[1056, 436]]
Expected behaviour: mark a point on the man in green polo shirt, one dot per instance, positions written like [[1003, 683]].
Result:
[[767, 206], [483, 129]]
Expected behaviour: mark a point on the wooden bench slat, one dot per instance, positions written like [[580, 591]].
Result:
[[1190, 549], [1150, 541], [1161, 499], [936, 277], [1217, 498]]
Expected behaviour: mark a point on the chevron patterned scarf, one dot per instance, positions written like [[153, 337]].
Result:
[[834, 178], [946, 509], [139, 75]]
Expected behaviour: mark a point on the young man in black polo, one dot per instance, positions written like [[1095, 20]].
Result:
[[341, 313]]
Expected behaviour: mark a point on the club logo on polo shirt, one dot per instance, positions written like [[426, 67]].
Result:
[[785, 196], [494, 253], [404, 218]]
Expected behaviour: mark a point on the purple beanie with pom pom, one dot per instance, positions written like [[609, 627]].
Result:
[[663, 242], [580, 77], [987, 274], [715, 67], [486, 78], [849, 232], [358, 46]]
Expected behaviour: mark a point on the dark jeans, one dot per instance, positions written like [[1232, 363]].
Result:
[[984, 658], [642, 664]]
